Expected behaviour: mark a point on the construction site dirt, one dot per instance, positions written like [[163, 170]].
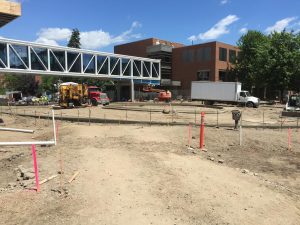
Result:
[[141, 174], [163, 114]]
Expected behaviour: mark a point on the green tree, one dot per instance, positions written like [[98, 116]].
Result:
[[285, 60], [48, 83], [74, 41], [24, 83], [252, 66]]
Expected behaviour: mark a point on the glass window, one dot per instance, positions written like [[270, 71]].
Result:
[[203, 75], [18, 57], [232, 56], [74, 62], [188, 56], [222, 75], [102, 64], [88, 63], [204, 54], [242, 94], [223, 54], [3, 54]]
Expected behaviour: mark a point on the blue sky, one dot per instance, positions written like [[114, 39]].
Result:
[[107, 23]]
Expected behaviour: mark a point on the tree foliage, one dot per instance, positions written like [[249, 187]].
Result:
[[253, 59], [24, 83], [271, 61], [74, 41]]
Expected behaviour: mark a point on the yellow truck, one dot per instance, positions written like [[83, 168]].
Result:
[[72, 94]]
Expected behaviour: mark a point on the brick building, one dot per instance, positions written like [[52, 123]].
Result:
[[209, 61], [183, 64], [153, 48]]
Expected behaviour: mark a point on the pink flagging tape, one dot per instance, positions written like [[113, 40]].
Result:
[[57, 130], [35, 168], [290, 139]]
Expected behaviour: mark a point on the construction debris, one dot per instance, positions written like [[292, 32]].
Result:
[[74, 176], [48, 179], [24, 174], [17, 130]]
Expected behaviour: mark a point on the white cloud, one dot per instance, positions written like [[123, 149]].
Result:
[[224, 2], [94, 39], [193, 38], [280, 25], [217, 30], [56, 34], [46, 41], [243, 30]]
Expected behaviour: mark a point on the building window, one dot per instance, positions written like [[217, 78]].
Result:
[[222, 75], [188, 56], [232, 56], [202, 75], [204, 54], [223, 54]]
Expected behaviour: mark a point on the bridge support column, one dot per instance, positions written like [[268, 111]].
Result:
[[132, 90]]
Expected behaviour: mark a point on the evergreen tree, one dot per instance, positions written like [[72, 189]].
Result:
[[74, 41]]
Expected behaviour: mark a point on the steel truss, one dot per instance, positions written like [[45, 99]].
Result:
[[33, 58]]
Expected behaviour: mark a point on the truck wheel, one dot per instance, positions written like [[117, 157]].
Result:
[[94, 102], [250, 104]]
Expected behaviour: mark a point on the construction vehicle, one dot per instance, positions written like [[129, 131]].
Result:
[[96, 97], [14, 96], [223, 92], [162, 95], [292, 107], [73, 95]]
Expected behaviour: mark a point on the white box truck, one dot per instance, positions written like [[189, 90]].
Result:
[[228, 92]]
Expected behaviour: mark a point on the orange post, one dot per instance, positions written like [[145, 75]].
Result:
[[202, 131]]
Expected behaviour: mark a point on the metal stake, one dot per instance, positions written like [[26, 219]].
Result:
[[150, 117], [217, 118], [89, 117], [263, 119]]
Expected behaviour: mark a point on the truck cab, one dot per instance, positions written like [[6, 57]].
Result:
[[97, 97], [293, 103], [244, 97]]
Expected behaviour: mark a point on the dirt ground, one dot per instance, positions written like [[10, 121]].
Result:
[[131, 174]]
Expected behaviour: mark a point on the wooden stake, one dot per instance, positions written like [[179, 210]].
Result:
[[263, 119], [190, 135], [89, 117], [290, 139], [217, 118], [78, 116], [74, 176], [241, 136], [48, 179], [150, 117], [61, 170]]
